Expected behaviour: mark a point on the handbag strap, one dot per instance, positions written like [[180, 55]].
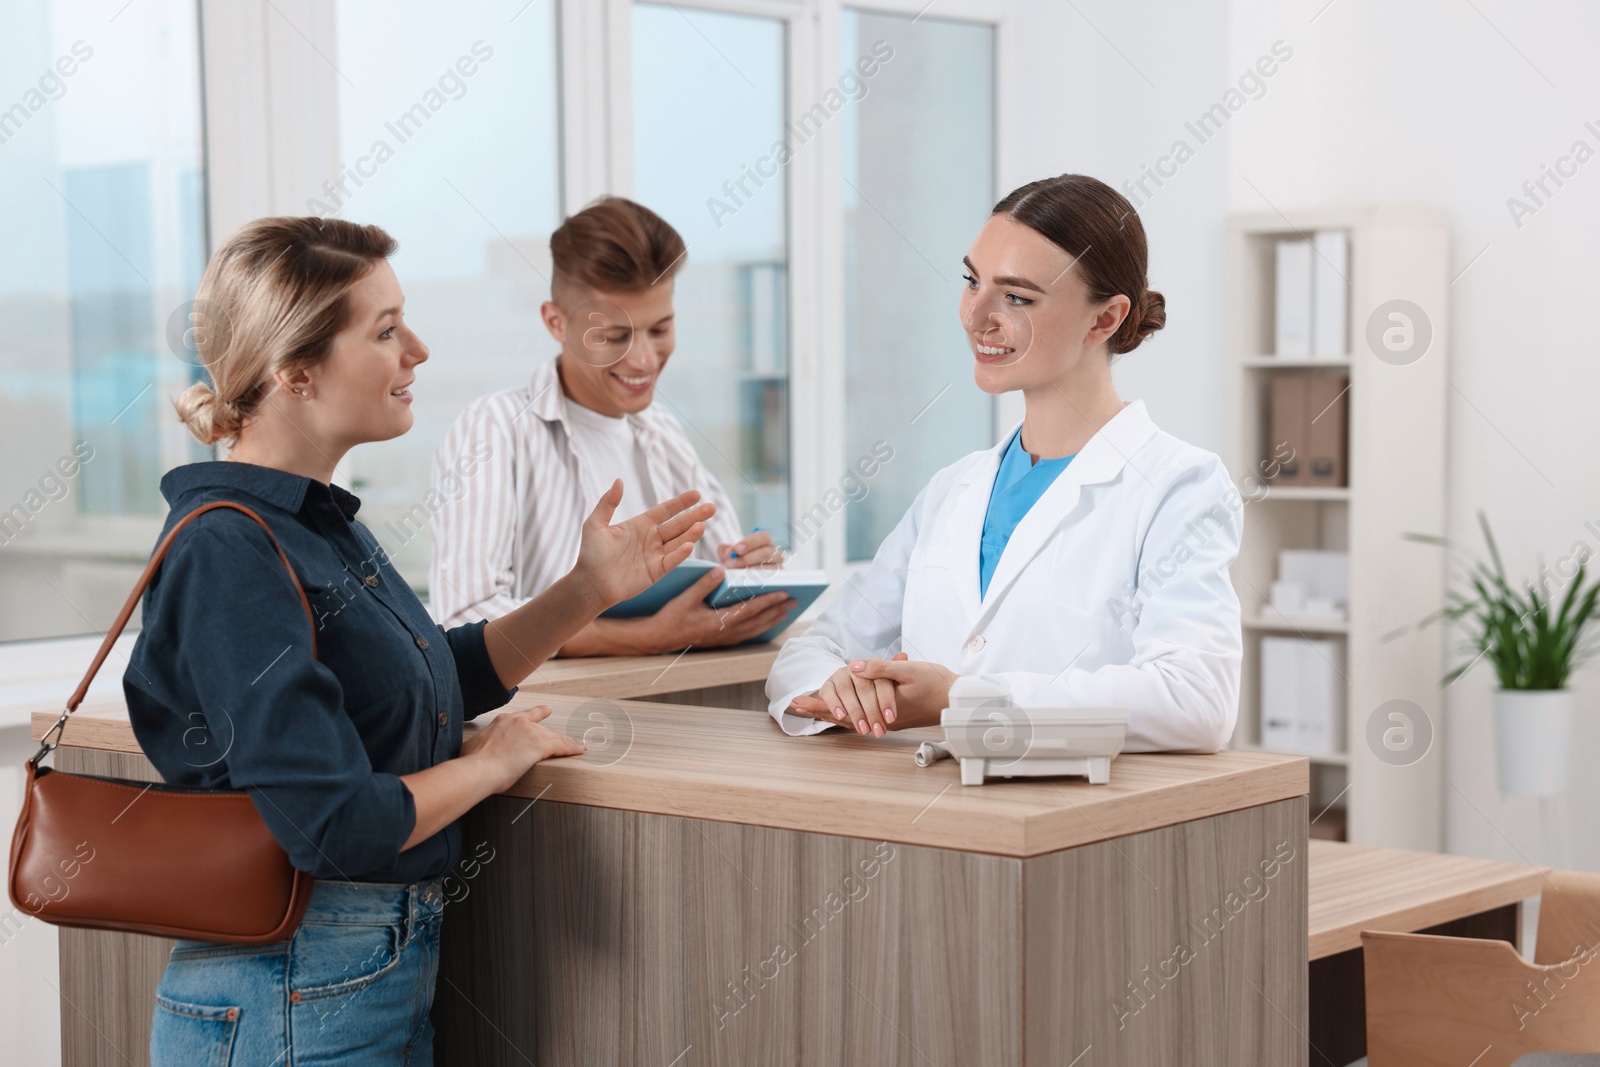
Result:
[[133, 598]]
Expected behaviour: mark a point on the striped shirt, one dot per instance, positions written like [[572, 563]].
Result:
[[514, 495]]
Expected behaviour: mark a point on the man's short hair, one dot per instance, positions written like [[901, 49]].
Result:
[[614, 246]]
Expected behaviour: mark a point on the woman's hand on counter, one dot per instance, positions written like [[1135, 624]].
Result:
[[491, 760], [873, 696], [624, 560], [513, 741]]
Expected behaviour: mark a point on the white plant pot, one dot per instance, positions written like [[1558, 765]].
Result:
[[1533, 735]]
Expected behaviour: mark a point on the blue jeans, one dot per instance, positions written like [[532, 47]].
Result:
[[353, 985]]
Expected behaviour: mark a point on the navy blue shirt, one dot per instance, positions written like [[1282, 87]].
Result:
[[224, 692]]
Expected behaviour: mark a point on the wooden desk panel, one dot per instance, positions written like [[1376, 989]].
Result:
[[614, 937]]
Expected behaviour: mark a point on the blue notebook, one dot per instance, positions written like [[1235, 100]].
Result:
[[737, 584]]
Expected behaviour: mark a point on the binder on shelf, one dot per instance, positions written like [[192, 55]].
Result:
[[1330, 310], [1280, 723], [1310, 414], [1292, 298], [1287, 427], [1327, 406], [1302, 698], [1321, 696]]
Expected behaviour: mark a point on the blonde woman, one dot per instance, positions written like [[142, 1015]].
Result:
[[353, 752]]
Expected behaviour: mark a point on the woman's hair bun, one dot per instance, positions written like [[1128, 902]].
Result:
[[1142, 321], [208, 417], [272, 300]]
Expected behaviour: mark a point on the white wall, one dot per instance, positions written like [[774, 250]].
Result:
[[37, 675], [1104, 88], [1459, 104], [30, 1012]]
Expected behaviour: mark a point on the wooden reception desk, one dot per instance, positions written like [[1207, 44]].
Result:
[[714, 677], [700, 889]]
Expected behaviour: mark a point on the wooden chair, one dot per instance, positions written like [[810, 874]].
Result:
[[1452, 1001]]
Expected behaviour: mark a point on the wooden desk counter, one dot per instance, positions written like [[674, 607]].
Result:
[[700, 889], [1359, 887], [714, 677], [731, 765]]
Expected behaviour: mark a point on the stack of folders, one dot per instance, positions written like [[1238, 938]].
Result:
[[1302, 700], [1312, 582], [1309, 427], [1313, 295]]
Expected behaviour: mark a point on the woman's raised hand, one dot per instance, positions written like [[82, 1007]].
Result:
[[687, 621], [624, 560]]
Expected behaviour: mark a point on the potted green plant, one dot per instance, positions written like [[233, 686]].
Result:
[[1533, 637]]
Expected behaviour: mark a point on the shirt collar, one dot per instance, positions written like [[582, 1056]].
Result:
[[550, 402], [269, 484]]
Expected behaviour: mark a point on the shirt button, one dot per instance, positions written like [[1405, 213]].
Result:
[[422, 643], [443, 718], [370, 581], [976, 644]]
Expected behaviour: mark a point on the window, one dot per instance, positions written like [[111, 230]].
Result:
[[708, 106], [825, 212], [101, 170], [918, 182], [447, 139]]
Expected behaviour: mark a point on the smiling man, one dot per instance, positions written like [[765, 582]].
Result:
[[542, 455]]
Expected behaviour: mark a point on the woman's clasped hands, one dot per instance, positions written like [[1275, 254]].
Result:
[[873, 696]]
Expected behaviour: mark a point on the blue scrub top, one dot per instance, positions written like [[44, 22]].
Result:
[[1018, 485]]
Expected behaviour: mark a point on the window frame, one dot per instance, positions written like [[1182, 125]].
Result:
[[269, 131], [814, 213]]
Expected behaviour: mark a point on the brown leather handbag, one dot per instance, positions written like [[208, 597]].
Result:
[[140, 857]]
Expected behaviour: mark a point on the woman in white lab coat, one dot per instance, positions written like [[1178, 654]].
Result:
[[1083, 559]]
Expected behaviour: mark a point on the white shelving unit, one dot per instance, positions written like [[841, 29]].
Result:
[[1396, 466]]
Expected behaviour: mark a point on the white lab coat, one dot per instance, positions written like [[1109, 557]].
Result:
[[1112, 592]]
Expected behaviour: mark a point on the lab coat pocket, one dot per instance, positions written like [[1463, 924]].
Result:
[[1090, 637], [1092, 579], [926, 556]]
